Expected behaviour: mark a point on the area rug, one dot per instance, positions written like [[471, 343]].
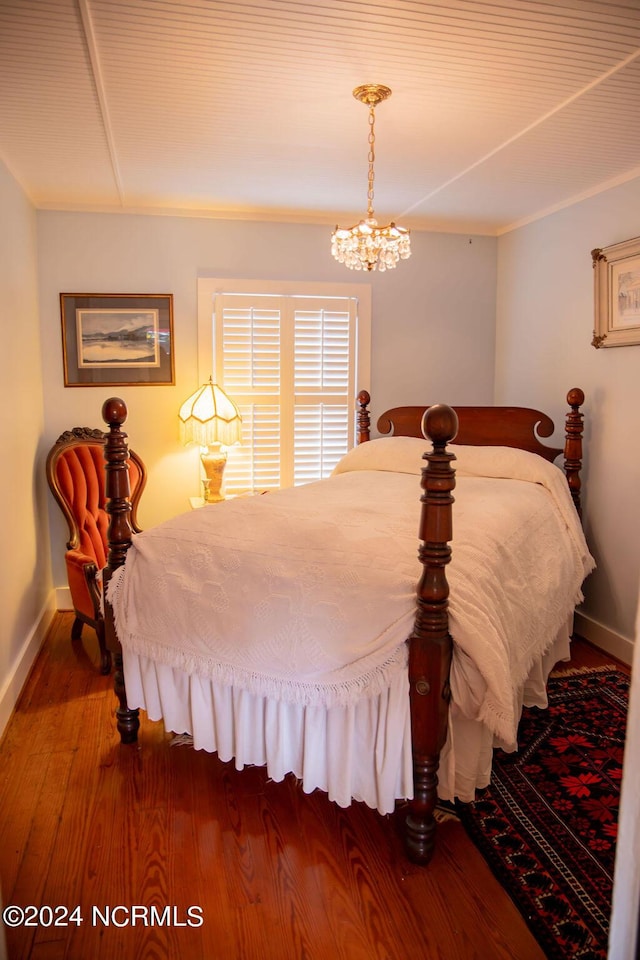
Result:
[[547, 824]]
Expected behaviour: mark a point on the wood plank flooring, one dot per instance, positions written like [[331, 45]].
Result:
[[274, 874]]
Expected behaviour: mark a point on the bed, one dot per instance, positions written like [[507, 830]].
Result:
[[331, 632]]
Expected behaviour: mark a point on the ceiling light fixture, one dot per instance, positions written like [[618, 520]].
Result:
[[366, 246]]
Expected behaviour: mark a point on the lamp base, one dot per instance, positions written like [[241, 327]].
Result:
[[214, 461]]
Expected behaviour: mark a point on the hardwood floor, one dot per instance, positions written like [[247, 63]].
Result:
[[275, 874]]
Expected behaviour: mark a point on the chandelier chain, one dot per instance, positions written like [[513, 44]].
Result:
[[372, 157]]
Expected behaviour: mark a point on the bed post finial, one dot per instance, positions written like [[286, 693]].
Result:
[[119, 533], [364, 419], [573, 445], [430, 643]]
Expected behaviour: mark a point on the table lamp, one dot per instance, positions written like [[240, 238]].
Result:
[[209, 417]]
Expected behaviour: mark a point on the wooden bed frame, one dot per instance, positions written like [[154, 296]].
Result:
[[430, 644]]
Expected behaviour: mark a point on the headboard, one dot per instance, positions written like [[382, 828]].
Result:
[[520, 427]]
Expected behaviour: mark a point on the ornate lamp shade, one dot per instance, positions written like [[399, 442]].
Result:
[[210, 418]]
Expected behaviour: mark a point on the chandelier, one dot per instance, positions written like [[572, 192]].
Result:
[[367, 246]]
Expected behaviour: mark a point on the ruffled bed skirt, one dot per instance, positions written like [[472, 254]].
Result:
[[356, 752]]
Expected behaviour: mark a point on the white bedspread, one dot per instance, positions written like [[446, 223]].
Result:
[[307, 595]]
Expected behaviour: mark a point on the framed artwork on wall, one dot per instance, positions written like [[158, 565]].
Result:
[[114, 340], [617, 294]]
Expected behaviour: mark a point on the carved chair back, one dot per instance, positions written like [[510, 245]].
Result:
[[76, 475]]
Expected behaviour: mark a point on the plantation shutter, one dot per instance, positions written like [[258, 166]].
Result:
[[324, 342], [289, 364], [248, 345]]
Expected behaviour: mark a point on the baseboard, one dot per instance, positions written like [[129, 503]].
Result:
[[63, 598], [25, 659], [603, 638]]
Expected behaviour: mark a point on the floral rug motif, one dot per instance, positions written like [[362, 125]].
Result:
[[547, 824]]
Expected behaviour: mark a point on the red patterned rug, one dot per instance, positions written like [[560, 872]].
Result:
[[547, 824]]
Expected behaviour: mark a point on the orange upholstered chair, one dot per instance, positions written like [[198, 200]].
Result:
[[76, 476]]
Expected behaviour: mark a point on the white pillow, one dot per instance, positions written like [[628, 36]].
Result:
[[396, 454], [404, 455]]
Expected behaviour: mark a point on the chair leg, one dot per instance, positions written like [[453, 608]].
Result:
[[105, 653]]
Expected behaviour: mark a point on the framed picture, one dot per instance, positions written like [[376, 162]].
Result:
[[114, 340], [617, 294]]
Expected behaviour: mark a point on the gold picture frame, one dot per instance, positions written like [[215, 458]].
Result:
[[617, 294], [115, 340]]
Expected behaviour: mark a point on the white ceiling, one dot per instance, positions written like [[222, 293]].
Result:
[[501, 110]]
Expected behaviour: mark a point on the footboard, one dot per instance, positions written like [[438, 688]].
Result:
[[430, 644]]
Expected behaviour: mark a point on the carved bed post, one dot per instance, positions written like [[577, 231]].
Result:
[[363, 417], [119, 532], [430, 643], [573, 445]]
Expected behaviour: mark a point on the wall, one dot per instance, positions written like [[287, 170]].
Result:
[[26, 596], [444, 295], [543, 348]]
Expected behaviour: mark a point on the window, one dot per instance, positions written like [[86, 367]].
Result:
[[293, 357]]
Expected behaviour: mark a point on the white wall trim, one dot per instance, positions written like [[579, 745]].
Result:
[[600, 636], [623, 937], [12, 687], [63, 598]]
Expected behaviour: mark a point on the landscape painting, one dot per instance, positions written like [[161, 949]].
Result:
[[113, 339], [116, 337]]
